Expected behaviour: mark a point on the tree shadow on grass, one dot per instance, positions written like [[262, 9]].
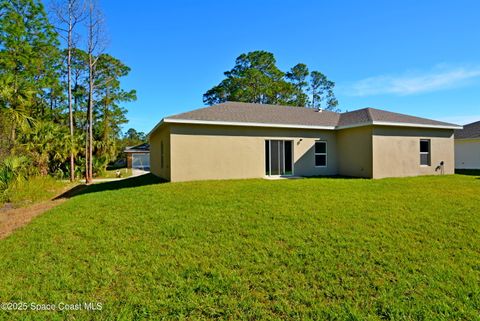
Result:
[[143, 180], [335, 176]]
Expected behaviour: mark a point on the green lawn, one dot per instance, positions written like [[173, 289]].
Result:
[[320, 249], [112, 173]]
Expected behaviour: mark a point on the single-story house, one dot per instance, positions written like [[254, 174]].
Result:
[[138, 156], [244, 140], [467, 147]]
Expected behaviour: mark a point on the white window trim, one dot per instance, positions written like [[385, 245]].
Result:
[[315, 154], [429, 153]]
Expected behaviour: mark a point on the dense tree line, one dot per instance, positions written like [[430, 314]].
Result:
[[60, 92], [255, 78], [61, 95]]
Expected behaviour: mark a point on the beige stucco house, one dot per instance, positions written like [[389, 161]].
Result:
[[467, 147], [242, 140]]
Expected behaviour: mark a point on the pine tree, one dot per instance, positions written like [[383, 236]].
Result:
[[28, 58]]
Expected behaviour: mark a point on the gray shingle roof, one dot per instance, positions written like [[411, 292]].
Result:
[[261, 113], [367, 115], [138, 148], [469, 131], [236, 112]]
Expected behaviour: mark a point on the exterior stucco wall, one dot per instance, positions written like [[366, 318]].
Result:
[[355, 151], [396, 151], [156, 138], [200, 152], [467, 153]]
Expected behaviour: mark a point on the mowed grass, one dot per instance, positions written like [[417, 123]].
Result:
[[112, 173], [318, 249]]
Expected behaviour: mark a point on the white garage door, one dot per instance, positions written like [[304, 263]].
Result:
[[467, 153], [141, 161]]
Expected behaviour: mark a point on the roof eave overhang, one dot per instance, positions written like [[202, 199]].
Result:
[[244, 124], [396, 124], [293, 126], [160, 123], [136, 151], [468, 139]]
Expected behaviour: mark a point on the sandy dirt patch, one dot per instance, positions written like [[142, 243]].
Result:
[[12, 218]]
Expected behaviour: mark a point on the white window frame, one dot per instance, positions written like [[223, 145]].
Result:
[[429, 153], [315, 154]]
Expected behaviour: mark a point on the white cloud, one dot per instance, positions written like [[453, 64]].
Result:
[[439, 78]]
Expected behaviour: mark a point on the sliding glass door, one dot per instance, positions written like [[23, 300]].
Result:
[[278, 157]]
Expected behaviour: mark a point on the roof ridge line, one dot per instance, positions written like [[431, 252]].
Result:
[[369, 113]]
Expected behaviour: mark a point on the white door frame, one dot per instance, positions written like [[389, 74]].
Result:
[[270, 153]]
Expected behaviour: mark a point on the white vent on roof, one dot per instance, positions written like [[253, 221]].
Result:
[[318, 110]]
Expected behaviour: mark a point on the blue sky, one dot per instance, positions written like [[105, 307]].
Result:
[[415, 57]]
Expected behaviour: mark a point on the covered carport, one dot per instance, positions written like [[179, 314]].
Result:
[[138, 157]]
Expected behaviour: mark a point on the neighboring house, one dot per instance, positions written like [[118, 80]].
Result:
[[467, 147], [242, 140], [138, 156]]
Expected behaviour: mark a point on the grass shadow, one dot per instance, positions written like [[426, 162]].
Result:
[[469, 172], [335, 176], [143, 180]]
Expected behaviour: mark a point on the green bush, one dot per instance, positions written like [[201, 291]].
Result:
[[34, 189], [12, 170]]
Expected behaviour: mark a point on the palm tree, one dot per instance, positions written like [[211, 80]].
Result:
[[15, 97]]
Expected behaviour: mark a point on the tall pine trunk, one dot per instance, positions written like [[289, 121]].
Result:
[[90, 119], [69, 13], [70, 107], [91, 49]]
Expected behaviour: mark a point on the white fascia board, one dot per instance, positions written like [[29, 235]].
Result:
[[160, 123], [227, 123], [354, 125], [394, 124], [384, 123], [473, 140]]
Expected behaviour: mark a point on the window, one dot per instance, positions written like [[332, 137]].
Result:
[[425, 152], [161, 154], [320, 154]]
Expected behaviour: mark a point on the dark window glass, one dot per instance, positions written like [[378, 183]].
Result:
[[267, 157], [320, 153], [275, 157], [281, 156], [278, 157], [288, 158], [424, 146], [320, 160], [425, 152], [424, 159], [320, 147]]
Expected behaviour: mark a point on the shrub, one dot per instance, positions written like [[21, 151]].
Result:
[[13, 170], [34, 189]]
